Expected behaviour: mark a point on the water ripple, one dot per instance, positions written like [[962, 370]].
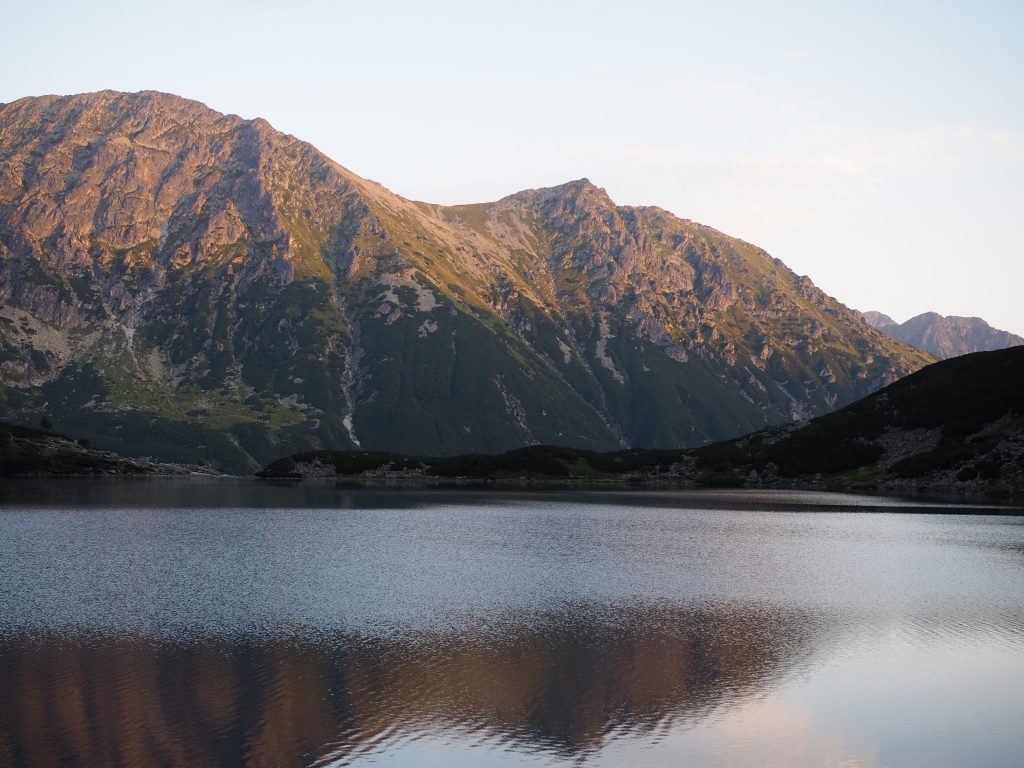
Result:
[[553, 629]]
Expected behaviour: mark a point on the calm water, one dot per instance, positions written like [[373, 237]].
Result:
[[229, 623]]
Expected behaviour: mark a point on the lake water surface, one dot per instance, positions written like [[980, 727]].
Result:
[[228, 623]]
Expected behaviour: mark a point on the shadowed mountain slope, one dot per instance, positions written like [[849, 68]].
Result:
[[27, 451], [199, 287], [956, 426]]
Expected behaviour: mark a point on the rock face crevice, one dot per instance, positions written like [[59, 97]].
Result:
[[197, 286]]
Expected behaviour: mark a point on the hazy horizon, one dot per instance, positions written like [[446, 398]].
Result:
[[879, 151]]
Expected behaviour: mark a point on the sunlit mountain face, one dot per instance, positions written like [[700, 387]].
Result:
[[190, 285]]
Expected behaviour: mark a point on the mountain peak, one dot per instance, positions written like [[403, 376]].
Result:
[[879, 320], [577, 193], [926, 318], [579, 185], [944, 337]]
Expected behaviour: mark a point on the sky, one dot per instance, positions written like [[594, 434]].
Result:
[[876, 147]]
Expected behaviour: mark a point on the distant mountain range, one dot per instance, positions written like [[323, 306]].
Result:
[[197, 287], [944, 337], [956, 426]]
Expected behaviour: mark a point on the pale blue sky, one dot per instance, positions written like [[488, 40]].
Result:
[[877, 147]]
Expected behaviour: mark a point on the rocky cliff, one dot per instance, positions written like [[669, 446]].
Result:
[[196, 286]]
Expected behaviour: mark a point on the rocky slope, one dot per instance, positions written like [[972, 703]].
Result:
[[196, 286], [944, 337], [954, 427]]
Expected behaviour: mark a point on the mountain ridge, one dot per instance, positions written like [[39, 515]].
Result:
[[202, 287], [944, 336]]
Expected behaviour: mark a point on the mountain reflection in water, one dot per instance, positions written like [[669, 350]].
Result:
[[139, 627], [558, 683]]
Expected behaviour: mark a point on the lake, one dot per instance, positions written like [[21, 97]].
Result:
[[230, 623]]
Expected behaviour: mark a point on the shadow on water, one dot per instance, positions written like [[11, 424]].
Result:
[[561, 684], [230, 492]]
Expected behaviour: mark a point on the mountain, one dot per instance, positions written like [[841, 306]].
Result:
[[956, 426], [199, 287], [878, 320], [944, 337]]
